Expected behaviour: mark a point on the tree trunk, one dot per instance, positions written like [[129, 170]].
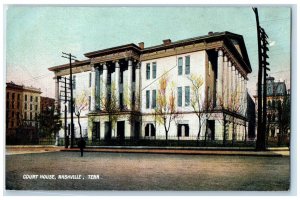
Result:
[[205, 138], [224, 129], [199, 131], [80, 131]]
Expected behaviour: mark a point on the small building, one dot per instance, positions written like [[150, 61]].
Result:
[[47, 103]]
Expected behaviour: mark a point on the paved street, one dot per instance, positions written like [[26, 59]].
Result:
[[132, 171]]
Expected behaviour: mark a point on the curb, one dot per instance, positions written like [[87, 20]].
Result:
[[180, 152]]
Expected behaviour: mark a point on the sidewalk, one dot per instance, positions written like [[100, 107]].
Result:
[[230, 151]]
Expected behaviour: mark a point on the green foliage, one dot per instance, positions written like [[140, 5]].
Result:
[[49, 123]]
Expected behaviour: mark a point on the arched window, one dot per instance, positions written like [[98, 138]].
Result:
[[150, 130], [183, 130]]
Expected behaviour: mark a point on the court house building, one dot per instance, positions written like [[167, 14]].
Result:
[[123, 88]]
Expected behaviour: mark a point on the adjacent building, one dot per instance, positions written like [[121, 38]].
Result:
[[22, 107], [127, 78]]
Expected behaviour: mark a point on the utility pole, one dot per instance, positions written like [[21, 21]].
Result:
[[262, 63], [265, 49], [64, 94], [71, 57]]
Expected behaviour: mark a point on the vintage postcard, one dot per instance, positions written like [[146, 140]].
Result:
[[120, 98]]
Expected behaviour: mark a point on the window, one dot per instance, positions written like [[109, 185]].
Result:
[[30, 115], [35, 115], [25, 97], [36, 99], [90, 102], [13, 114], [133, 98], [30, 106], [179, 96], [90, 79], [69, 106], [74, 82], [208, 96], [18, 97], [25, 115], [154, 70], [180, 66], [147, 99], [36, 107], [153, 98], [187, 95], [121, 101], [13, 96], [187, 65], [13, 104], [148, 71], [31, 98]]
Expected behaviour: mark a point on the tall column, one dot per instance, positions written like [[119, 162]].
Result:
[[93, 88], [129, 83], [137, 84], [57, 102], [229, 87], [225, 81], [220, 78], [104, 89], [233, 87], [237, 94], [245, 97], [242, 95], [241, 92], [117, 82]]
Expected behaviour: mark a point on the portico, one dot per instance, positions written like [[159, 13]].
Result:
[[115, 75]]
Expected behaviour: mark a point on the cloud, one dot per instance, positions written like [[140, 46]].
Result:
[[272, 43]]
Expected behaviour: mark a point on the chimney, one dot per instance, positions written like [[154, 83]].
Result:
[[141, 45], [167, 42], [210, 33]]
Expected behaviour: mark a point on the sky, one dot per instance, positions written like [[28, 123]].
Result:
[[36, 36]]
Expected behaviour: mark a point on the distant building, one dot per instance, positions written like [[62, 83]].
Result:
[[47, 103], [276, 93], [22, 107]]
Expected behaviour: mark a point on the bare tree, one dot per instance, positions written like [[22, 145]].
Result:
[[165, 110], [81, 103], [201, 105]]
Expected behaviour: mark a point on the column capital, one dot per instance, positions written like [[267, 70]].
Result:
[[129, 61], [93, 67], [225, 58], [117, 65], [104, 66], [229, 63], [138, 65], [220, 52]]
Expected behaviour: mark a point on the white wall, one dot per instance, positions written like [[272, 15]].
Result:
[[169, 65]]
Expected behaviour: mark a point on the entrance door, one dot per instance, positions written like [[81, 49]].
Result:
[[96, 131], [121, 130], [211, 127], [107, 129]]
